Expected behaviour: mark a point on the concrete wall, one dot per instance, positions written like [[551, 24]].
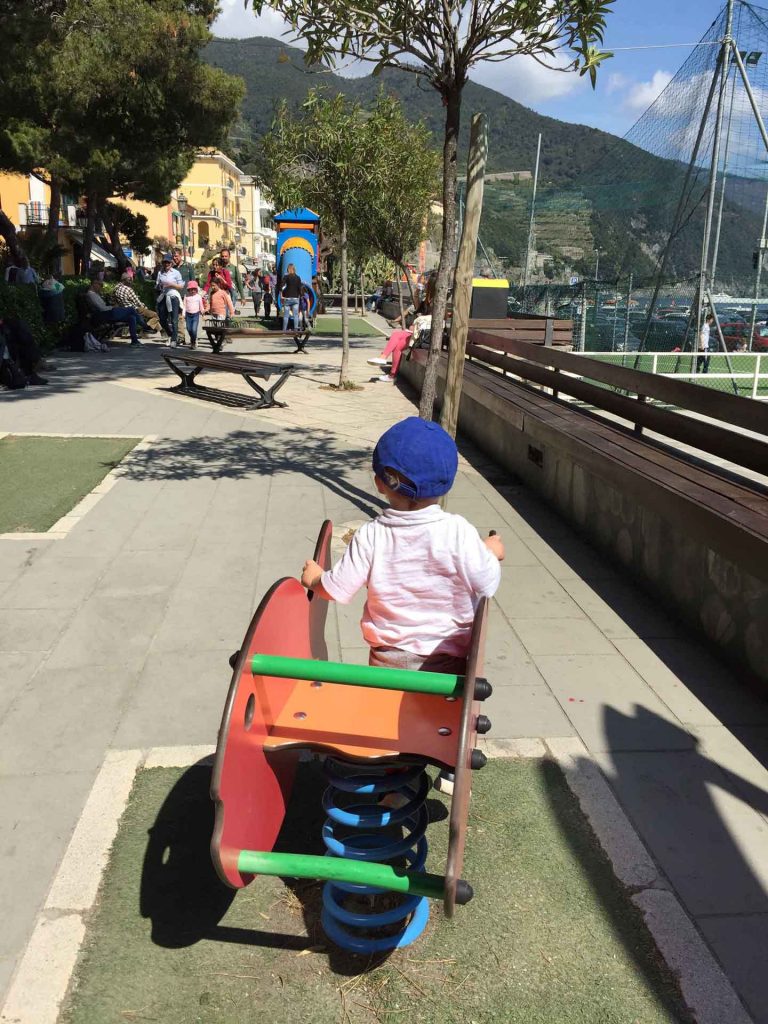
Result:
[[708, 570]]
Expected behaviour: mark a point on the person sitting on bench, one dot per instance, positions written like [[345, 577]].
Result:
[[102, 313]]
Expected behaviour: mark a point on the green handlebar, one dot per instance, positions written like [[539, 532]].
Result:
[[337, 869], [357, 675]]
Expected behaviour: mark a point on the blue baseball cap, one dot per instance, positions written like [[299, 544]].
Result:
[[421, 451]]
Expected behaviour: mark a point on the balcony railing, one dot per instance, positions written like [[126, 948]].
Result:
[[35, 213]]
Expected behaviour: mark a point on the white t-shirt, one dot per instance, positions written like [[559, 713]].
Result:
[[704, 338], [425, 571]]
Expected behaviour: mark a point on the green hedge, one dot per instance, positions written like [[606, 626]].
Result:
[[20, 300]]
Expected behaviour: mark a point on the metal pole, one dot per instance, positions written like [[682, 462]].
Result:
[[531, 226], [721, 339], [724, 70], [750, 94], [678, 213], [626, 315], [725, 179], [583, 326], [759, 272]]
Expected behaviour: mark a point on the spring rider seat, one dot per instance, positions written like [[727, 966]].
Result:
[[378, 728]]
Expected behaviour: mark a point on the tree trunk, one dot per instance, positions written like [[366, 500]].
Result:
[[407, 277], [465, 268], [343, 244], [8, 232], [52, 231], [113, 233], [445, 269], [362, 293], [400, 295], [90, 229]]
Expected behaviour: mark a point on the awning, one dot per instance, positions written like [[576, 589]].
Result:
[[96, 250]]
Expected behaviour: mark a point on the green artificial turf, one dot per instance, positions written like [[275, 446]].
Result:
[[550, 937], [45, 477], [358, 327], [677, 363]]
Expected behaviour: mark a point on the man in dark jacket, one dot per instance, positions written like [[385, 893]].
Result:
[[238, 290]]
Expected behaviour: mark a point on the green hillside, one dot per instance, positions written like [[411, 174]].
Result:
[[596, 190]]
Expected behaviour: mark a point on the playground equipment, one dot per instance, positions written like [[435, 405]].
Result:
[[378, 728], [298, 235]]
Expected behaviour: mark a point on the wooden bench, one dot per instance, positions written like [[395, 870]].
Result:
[[218, 333], [188, 365], [537, 330]]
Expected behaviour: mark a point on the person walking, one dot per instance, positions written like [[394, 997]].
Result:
[[702, 362], [256, 291], [194, 306], [266, 287], [237, 289], [169, 289], [290, 292]]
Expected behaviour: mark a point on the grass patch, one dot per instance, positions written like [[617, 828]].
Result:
[[358, 327], [678, 363], [45, 477], [550, 938]]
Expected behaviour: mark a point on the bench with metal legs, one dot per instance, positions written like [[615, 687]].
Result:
[[188, 365]]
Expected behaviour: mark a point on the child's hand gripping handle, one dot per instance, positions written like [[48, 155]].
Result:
[[495, 545]]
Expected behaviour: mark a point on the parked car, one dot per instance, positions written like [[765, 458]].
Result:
[[735, 333], [760, 338]]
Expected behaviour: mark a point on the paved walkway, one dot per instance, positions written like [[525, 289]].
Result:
[[118, 635]]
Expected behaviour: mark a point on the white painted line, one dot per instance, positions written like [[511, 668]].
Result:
[[62, 527], [77, 880], [517, 748], [43, 976], [178, 757]]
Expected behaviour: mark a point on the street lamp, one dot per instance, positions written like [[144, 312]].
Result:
[[181, 202], [238, 236], [597, 261]]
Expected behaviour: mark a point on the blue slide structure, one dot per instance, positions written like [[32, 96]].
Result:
[[298, 236]]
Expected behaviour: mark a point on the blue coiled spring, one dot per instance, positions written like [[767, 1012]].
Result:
[[387, 834]]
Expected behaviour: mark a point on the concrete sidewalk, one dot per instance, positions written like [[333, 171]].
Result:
[[118, 635]]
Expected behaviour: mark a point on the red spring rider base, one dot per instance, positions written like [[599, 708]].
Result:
[[381, 728]]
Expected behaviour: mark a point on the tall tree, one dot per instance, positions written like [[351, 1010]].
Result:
[[394, 221], [328, 157], [442, 40], [111, 97]]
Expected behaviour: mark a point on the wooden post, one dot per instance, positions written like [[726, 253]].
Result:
[[465, 269]]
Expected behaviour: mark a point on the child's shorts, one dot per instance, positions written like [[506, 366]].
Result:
[[394, 657]]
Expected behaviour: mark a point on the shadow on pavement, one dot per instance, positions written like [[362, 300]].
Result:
[[673, 795], [258, 453]]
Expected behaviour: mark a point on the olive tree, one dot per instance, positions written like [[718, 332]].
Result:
[[328, 156], [442, 41]]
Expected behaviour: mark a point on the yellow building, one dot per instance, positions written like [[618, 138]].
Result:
[[220, 206], [224, 207]]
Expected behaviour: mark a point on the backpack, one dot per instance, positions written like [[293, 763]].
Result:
[[11, 376]]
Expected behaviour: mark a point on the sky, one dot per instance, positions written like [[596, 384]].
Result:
[[639, 32]]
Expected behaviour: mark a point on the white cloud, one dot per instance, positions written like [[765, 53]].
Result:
[[642, 94], [525, 80], [521, 78], [237, 21], [616, 82]]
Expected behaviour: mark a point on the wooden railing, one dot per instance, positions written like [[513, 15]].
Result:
[[567, 373]]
